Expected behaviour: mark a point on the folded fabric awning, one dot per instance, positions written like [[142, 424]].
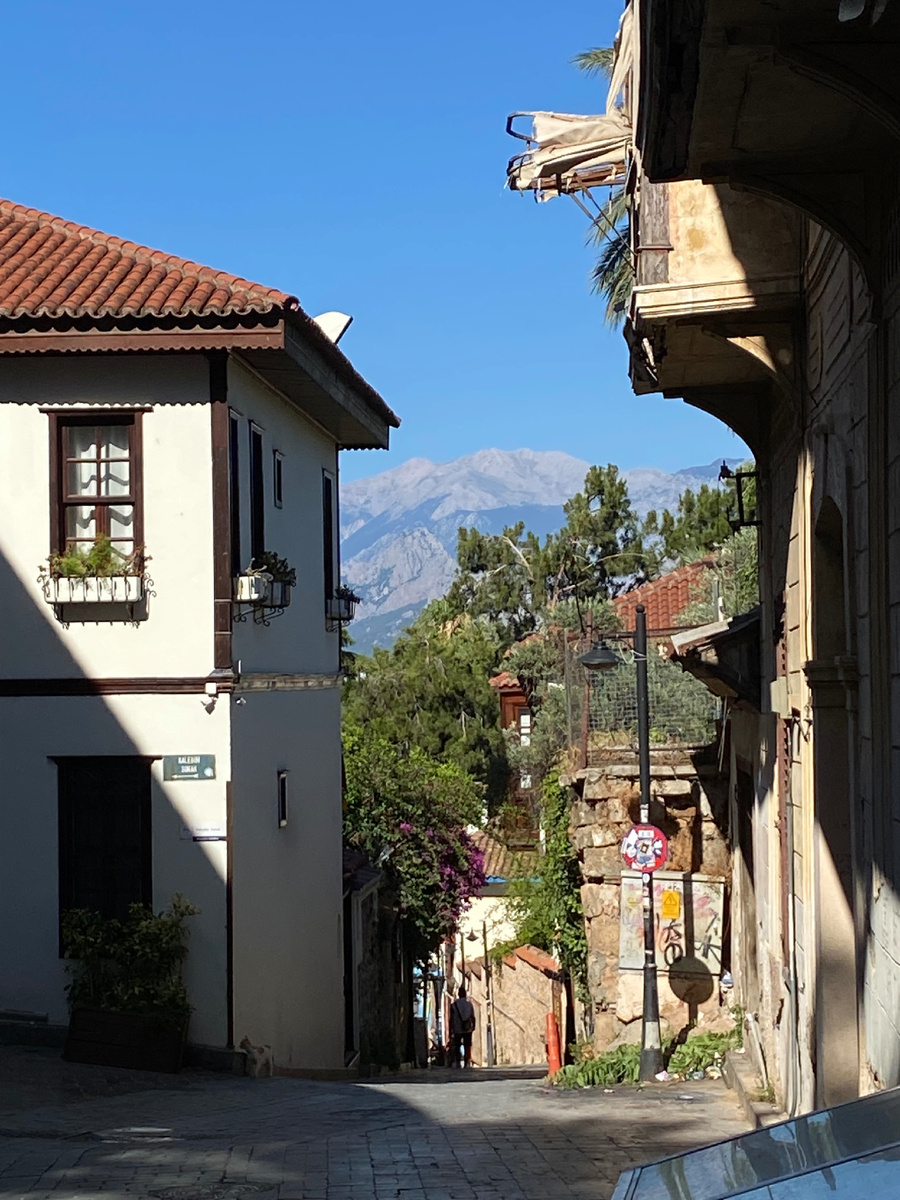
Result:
[[567, 152]]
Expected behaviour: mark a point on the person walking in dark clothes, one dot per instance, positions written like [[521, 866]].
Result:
[[462, 1026]]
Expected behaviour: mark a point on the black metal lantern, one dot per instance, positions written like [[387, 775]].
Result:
[[601, 658], [741, 519]]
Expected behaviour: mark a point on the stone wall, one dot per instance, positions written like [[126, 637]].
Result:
[[525, 987], [689, 802]]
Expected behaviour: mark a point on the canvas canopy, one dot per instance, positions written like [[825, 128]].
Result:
[[568, 153]]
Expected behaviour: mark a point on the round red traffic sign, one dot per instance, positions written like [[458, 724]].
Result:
[[645, 848]]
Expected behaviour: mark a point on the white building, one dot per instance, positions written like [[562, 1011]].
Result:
[[194, 418]]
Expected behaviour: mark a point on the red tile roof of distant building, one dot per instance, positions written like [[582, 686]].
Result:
[[506, 681], [665, 599], [499, 861], [539, 959]]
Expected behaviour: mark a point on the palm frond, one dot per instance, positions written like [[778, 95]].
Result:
[[597, 61], [613, 275]]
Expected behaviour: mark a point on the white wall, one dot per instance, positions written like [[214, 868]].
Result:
[[296, 641], [288, 956], [177, 637], [32, 976]]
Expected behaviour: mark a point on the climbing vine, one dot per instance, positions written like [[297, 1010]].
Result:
[[545, 905]]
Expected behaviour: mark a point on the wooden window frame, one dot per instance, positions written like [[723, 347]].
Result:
[[257, 492], [60, 422], [278, 478]]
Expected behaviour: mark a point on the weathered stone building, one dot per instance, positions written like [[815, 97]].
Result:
[[759, 143], [767, 240]]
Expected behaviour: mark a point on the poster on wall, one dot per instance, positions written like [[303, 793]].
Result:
[[687, 916]]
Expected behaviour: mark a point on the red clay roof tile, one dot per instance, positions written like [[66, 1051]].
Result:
[[665, 599], [54, 268]]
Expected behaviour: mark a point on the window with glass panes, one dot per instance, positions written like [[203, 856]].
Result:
[[98, 481]]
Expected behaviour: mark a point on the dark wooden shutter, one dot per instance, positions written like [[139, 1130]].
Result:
[[257, 494], [104, 834], [234, 492]]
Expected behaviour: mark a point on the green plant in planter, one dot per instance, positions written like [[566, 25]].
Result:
[[132, 965], [277, 569], [100, 560]]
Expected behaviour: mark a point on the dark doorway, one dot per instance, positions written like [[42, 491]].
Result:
[[104, 834]]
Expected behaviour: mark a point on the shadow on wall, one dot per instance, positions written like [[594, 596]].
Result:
[[36, 731], [851, 828]]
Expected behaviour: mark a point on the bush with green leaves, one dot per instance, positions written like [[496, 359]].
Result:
[[132, 965], [409, 815], [544, 906], [278, 569], [702, 1052], [100, 559]]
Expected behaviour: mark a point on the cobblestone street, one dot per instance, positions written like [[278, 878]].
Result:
[[71, 1131]]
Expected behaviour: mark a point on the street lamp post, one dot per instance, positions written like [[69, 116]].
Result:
[[602, 658]]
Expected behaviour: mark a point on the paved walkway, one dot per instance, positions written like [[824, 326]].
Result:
[[70, 1132]]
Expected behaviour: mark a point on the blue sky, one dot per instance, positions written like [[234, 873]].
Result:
[[354, 154]]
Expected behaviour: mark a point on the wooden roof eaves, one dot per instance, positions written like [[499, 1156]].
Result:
[[139, 341]]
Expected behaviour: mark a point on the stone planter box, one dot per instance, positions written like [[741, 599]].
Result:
[[118, 1039], [94, 589]]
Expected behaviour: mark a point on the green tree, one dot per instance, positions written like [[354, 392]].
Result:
[[409, 814], [737, 574], [431, 691], [545, 905], [697, 529], [516, 580]]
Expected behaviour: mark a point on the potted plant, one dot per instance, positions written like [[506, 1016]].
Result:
[[128, 1003], [96, 574], [341, 607], [267, 581]]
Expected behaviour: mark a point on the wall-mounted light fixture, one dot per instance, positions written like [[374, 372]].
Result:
[[282, 799], [747, 510]]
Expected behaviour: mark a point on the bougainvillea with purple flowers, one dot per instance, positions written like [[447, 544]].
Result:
[[409, 815]]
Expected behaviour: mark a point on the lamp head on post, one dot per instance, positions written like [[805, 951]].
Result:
[[601, 658]]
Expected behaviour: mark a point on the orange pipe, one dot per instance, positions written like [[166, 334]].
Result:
[[554, 1059]]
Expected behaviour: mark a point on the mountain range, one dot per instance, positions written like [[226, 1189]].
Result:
[[399, 528]]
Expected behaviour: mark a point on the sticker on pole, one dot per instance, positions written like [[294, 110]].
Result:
[[645, 848]]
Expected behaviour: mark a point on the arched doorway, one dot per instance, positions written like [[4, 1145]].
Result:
[[832, 679]]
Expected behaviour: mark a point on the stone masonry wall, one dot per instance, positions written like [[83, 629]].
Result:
[[689, 803]]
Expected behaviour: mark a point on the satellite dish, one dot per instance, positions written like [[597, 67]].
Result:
[[333, 324]]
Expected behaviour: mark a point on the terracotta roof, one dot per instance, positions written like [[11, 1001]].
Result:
[[665, 599], [52, 268], [506, 681], [539, 959], [56, 274], [499, 861]]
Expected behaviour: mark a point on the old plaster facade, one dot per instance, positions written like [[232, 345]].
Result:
[[768, 293]]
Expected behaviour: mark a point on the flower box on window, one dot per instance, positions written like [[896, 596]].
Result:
[[94, 589], [341, 607], [259, 589], [279, 594], [251, 589]]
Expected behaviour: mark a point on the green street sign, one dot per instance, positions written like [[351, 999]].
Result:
[[189, 766]]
